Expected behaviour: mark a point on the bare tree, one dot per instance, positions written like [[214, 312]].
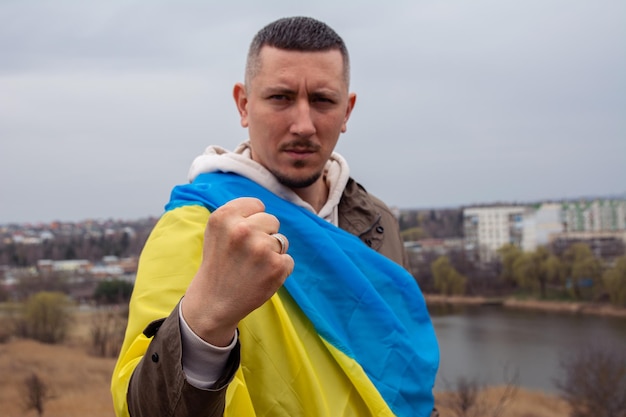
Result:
[[594, 381], [467, 397], [35, 394], [6, 329], [107, 332], [464, 397]]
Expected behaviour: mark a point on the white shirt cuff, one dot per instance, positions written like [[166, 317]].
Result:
[[203, 363]]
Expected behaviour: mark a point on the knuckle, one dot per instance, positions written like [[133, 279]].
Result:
[[249, 203], [240, 231], [259, 204], [220, 215]]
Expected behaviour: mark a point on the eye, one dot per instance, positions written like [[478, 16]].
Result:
[[278, 97], [322, 99]]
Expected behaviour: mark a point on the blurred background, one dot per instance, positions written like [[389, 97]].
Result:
[[104, 104]]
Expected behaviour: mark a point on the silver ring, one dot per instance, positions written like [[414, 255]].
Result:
[[283, 242]]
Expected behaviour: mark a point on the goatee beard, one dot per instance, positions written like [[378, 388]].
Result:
[[291, 182]]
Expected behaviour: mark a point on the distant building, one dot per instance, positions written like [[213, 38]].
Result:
[[487, 229], [606, 245], [106, 271], [601, 223], [541, 222], [601, 215], [437, 247], [79, 266]]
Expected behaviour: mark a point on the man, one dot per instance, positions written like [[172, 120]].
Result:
[[306, 322]]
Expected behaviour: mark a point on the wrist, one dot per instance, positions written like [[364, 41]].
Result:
[[214, 332]]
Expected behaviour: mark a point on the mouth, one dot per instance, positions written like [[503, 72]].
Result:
[[299, 151], [299, 155]]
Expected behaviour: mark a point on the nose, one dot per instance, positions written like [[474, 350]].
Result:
[[302, 122]]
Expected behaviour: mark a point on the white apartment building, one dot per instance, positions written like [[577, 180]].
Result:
[[542, 222], [487, 229]]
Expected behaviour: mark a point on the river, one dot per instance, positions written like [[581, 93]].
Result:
[[492, 344]]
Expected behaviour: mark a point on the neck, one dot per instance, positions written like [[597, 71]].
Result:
[[315, 194]]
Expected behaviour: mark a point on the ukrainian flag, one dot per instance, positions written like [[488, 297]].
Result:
[[347, 335]]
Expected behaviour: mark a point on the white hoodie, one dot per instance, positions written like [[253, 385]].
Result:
[[215, 158]]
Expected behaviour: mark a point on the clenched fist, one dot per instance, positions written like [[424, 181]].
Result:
[[242, 267]]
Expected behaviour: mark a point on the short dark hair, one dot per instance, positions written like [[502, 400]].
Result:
[[298, 33]]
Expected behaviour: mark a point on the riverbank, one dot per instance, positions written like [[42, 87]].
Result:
[[567, 307]]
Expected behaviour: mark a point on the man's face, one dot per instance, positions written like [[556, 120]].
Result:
[[295, 108]]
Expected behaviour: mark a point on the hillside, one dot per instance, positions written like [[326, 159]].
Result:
[[80, 385], [78, 382]]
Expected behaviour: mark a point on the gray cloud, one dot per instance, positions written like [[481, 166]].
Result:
[[104, 104]]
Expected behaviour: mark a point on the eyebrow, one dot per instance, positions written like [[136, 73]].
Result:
[[278, 90], [322, 92]]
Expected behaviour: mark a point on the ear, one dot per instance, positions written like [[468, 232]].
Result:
[[350, 106], [241, 100]]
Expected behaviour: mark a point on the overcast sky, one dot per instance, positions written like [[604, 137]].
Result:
[[104, 104]]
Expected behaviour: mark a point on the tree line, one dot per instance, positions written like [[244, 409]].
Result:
[[576, 274]]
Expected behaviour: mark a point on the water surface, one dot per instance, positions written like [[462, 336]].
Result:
[[492, 344]]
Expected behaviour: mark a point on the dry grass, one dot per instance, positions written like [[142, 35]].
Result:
[[597, 309], [525, 403], [78, 382]]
